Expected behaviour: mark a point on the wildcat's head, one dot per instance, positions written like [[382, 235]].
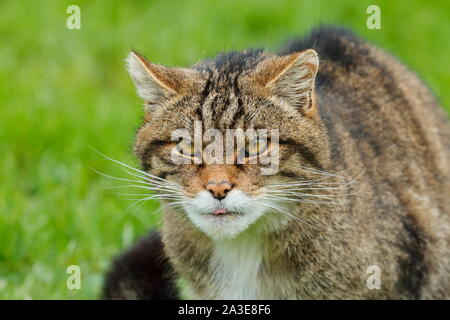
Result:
[[242, 91]]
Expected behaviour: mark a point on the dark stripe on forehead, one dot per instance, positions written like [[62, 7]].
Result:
[[204, 94], [226, 109], [213, 107], [240, 108], [221, 108], [222, 82]]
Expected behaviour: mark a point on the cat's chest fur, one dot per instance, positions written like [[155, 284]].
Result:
[[235, 269]]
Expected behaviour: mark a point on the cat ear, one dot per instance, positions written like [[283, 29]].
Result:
[[155, 83], [292, 77]]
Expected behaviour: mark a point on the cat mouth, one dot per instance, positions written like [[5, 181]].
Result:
[[222, 212], [225, 218]]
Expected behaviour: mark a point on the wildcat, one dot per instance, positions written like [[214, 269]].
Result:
[[363, 181]]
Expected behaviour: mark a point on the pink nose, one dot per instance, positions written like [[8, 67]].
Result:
[[218, 189]]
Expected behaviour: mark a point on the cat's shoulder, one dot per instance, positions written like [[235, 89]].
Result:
[[334, 44]]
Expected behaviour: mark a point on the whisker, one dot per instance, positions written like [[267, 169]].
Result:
[[135, 203], [141, 201], [314, 183], [179, 192], [299, 200], [287, 214], [116, 178], [301, 194], [145, 186], [174, 203], [152, 181], [310, 182], [321, 172], [155, 196], [134, 169], [312, 187]]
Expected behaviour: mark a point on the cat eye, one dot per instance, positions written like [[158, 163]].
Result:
[[256, 148], [186, 148]]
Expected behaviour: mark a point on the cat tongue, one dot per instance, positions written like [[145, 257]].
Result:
[[220, 211]]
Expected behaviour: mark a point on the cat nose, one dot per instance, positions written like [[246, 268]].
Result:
[[219, 189]]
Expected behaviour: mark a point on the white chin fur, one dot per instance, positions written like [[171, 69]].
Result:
[[247, 212]]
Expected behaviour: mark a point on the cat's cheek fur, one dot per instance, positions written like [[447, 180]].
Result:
[[247, 212]]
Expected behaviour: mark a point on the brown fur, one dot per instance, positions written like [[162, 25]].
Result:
[[367, 118]]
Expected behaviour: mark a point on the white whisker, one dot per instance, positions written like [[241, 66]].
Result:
[[303, 194], [134, 169], [301, 200], [289, 215], [173, 191]]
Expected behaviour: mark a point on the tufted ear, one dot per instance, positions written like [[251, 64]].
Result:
[[155, 83], [291, 78]]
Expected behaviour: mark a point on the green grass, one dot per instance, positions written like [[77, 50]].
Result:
[[64, 92]]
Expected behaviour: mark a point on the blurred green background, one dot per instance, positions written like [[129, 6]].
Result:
[[64, 92]]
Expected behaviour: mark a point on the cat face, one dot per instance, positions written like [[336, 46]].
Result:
[[224, 189]]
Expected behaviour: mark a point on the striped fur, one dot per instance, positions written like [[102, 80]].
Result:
[[367, 119]]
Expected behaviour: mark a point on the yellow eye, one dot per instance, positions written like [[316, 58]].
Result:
[[186, 148], [256, 147]]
